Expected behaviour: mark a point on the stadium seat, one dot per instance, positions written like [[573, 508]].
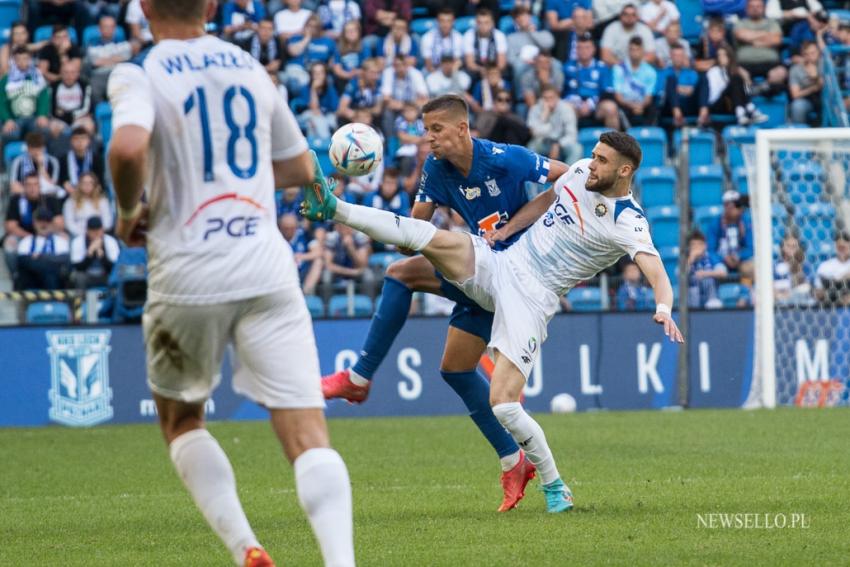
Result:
[[585, 299], [421, 26], [734, 137], [706, 185], [381, 260], [653, 142], [11, 151], [664, 224], [657, 186], [464, 23], [129, 282], [10, 12], [670, 258], [776, 109], [315, 306], [701, 147], [103, 118], [321, 147], [44, 33], [92, 34], [691, 18], [816, 222], [419, 11], [361, 306], [705, 217], [741, 180], [588, 137], [48, 313], [730, 293]]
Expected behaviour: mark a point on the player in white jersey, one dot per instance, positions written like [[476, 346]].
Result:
[[200, 123], [591, 221]]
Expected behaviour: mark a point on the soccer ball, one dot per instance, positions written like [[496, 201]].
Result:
[[356, 149], [562, 403]]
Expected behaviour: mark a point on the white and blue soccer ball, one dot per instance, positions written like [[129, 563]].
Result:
[[356, 149], [562, 403]]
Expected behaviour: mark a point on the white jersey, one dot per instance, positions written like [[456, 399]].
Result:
[[217, 122], [581, 234]]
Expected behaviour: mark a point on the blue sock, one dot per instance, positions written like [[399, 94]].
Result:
[[386, 324], [474, 390]]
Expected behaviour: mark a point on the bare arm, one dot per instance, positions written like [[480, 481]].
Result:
[[128, 154], [293, 171], [655, 274], [524, 217]]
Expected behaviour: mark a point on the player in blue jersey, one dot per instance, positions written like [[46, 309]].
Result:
[[484, 182]]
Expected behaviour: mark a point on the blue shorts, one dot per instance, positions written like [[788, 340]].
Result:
[[467, 315]]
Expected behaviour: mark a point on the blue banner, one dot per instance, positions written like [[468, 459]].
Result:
[[81, 376]]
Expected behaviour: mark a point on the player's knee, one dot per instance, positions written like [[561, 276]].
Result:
[[398, 271], [506, 412]]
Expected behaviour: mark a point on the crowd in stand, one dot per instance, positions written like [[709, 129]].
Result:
[[533, 74]]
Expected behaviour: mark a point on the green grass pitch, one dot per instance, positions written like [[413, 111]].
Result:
[[426, 491]]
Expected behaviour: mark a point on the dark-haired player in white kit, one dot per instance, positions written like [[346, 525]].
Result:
[[201, 123], [591, 221]]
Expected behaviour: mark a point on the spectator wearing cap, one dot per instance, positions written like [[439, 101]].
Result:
[[758, 40], [791, 12], [546, 71], [24, 97], [307, 252], [832, 279], [43, 255], [484, 45], [442, 40], [805, 84], [559, 19], [588, 88], [93, 254], [20, 220], [731, 237], [685, 92], [659, 14], [526, 41], [704, 269], [35, 160], [448, 78], [103, 54], [554, 127], [58, 50], [85, 202], [618, 35], [634, 86], [81, 158]]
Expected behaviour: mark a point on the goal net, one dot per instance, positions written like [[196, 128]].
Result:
[[799, 184]]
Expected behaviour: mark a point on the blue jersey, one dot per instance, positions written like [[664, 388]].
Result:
[[586, 83], [494, 190]]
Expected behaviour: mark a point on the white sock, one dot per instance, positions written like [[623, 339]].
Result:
[[357, 379], [385, 226], [509, 461], [324, 491], [207, 473], [530, 437]]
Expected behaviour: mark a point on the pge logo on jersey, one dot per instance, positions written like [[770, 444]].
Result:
[[235, 227], [79, 376]]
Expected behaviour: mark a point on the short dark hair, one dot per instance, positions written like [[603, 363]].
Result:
[[623, 144], [549, 87], [696, 234], [80, 131], [636, 40], [842, 235], [520, 9], [391, 172], [21, 50], [484, 12], [182, 11], [35, 140], [586, 36], [450, 102], [447, 11]]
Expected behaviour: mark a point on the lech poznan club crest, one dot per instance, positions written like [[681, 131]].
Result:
[[79, 376]]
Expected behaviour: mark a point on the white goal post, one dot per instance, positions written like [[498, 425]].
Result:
[[799, 184]]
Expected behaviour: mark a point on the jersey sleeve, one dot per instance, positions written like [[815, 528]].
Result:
[[429, 189], [631, 233], [528, 165], [131, 97], [287, 139]]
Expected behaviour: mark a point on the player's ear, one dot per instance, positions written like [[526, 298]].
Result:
[[212, 8]]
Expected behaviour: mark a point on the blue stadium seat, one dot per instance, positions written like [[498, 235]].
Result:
[[734, 137], [92, 34], [464, 23], [421, 26], [11, 151], [803, 181], [128, 280], [103, 118], [10, 12], [816, 222], [657, 186], [48, 313], [44, 33], [817, 252], [585, 299], [315, 306], [361, 305], [776, 109], [741, 180], [670, 259], [731, 293], [664, 224], [691, 18], [382, 260], [705, 217], [701, 147], [588, 137], [706, 185], [419, 11], [653, 142], [321, 147]]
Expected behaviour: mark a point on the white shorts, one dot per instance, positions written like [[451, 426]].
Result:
[[276, 363], [522, 305]]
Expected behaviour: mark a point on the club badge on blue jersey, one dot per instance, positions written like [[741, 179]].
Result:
[[79, 376]]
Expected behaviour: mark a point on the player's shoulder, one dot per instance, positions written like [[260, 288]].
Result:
[[628, 212], [501, 156], [575, 177]]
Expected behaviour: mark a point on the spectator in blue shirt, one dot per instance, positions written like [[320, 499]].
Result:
[[318, 104], [634, 86], [304, 50], [410, 131], [363, 92], [704, 268], [307, 252], [559, 20], [587, 83], [633, 294], [685, 92], [289, 201], [350, 55], [483, 96], [240, 18], [731, 237]]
